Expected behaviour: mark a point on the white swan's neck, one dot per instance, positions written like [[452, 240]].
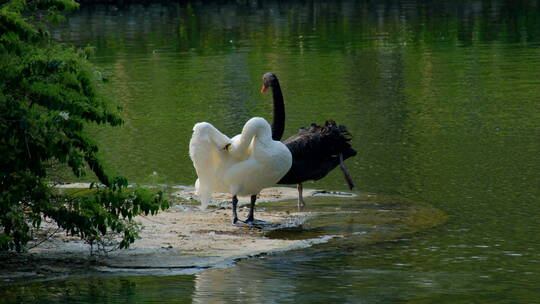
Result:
[[255, 127]]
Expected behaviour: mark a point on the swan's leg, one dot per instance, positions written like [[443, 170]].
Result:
[[251, 218], [301, 203], [251, 221], [346, 173], [234, 203]]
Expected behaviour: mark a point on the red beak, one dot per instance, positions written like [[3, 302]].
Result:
[[263, 89]]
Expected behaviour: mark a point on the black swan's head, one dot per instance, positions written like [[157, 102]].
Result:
[[269, 80]]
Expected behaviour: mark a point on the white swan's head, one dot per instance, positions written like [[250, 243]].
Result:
[[269, 80]]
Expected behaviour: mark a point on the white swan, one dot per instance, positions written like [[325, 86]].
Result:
[[243, 165]]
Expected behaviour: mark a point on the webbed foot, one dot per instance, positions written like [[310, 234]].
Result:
[[238, 223]]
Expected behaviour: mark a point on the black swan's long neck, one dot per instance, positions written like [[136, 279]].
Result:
[[278, 121]]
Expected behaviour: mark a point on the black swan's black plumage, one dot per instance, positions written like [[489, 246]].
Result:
[[316, 151]]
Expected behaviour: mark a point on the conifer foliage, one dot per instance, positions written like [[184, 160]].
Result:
[[47, 97]]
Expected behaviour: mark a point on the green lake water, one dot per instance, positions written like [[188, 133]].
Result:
[[443, 101]]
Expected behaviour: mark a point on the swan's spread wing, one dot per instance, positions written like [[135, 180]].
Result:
[[206, 152]]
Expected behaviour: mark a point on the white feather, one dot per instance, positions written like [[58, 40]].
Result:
[[254, 160]]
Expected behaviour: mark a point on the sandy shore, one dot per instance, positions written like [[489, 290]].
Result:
[[180, 239], [185, 239]]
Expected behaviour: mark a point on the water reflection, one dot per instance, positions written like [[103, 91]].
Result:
[[391, 71], [177, 289]]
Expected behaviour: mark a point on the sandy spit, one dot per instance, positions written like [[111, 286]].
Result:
[[182, 239]]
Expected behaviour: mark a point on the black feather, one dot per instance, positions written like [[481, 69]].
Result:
[[315, 151]]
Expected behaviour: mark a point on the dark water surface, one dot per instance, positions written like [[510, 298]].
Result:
[[443, 100]]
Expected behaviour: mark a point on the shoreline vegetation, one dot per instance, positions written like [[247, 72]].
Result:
[[48, 99], [184, 239]]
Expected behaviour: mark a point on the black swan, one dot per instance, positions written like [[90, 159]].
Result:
[[316, 150]]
